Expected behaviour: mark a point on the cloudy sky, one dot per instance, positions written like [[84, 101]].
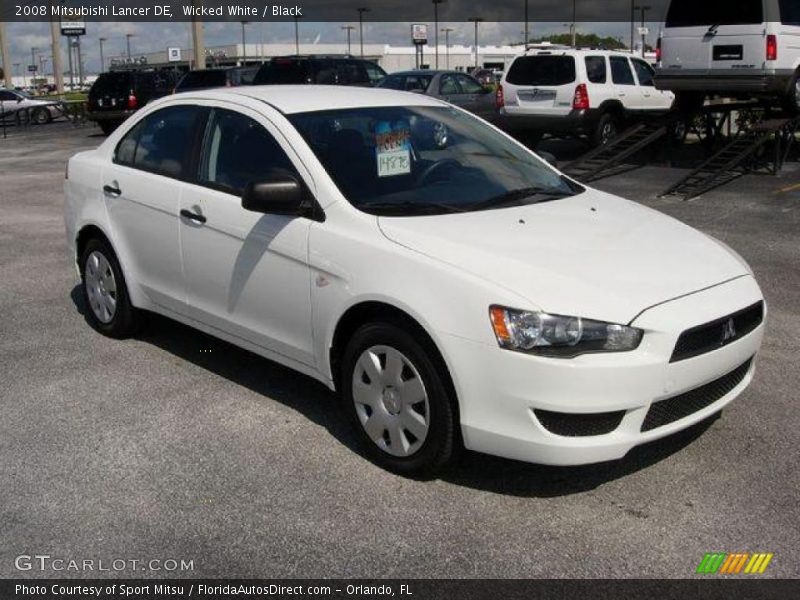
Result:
[[151, 37]]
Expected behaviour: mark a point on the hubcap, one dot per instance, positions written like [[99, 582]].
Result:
[[101, 287], [391, 401]]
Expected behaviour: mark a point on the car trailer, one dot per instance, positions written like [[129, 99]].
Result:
[[737, 137]]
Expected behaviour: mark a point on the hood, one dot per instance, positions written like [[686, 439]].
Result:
[[593, 255]]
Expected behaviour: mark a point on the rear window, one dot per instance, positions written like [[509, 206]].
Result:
[[691, 13], [195, 80], [542, 70], [112, 83], [790, 12], [283, 71], [596, 69]]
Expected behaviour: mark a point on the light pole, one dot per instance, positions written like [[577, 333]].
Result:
[[572, 30], [348, 28], [526, 33], [102, 61], [436, 4], [642, 8], [33, 62], [296, 35], [476, 20], [16, 68], [446, 31], [361, 12], [244, 45], [128, 37], [633, 20]]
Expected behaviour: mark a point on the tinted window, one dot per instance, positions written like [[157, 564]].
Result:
[[161, 142], [112, 83], [197, 80], [7, 96], [351, 73], [542, 70], [644, 72], [790, 12], [469, 85], [283, 71], [374, 72], [239, 150], [242, 75], [621, 73], [407, 83], [596, 69], [690, 13], [447, 85]]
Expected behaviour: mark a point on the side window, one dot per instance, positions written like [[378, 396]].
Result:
[[596, 69], [351, 72], [644, 72], [237, 151], [394, 82], [7, 96], [374, 72], [126, 149], [163, 141], [448, 86], [621, 73], [469, 85]]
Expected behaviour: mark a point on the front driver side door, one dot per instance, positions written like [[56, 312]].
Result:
[[246, 272]]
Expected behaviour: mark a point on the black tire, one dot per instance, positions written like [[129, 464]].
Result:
[[441, 443], [108, 127], [126, 320], [607, 128], [41, 116], [791, 101]]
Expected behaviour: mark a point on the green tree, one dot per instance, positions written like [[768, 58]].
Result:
[[583, 40]]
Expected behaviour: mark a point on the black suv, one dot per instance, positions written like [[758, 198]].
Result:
[[213, 78], [116, 95], [324, 70]]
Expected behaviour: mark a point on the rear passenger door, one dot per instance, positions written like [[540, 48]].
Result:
[[625, 86], [142, 187], [651, 98], [476, 98]]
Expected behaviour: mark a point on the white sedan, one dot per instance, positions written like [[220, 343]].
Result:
[[454, 288]]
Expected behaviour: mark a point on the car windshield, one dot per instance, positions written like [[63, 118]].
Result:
[[410, 161]]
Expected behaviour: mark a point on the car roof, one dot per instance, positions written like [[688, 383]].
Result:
[[575, 51], [291, 99]]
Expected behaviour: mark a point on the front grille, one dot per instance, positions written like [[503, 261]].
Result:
[[673, 409], [579, 425], [720, 332]]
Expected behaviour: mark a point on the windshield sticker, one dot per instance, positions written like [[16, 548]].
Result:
[[393, 148]]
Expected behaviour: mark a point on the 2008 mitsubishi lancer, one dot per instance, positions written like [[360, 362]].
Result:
[[454, 289]]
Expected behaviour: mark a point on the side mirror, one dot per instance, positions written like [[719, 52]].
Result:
[[280, 194]]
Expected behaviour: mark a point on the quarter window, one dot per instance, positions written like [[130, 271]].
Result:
[[238, 151], [596, 69], [469, 85], [621, 73], [447, 85]]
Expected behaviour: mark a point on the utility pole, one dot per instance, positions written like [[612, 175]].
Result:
[[198, 42], [446, 31], [297, 35], [572, 28], [102, 61], [244, 45], [436, 4], [348, 28], [633, 20], [80, 59], [128, 37], [642, 8], [361, 12], [58, 66], [476, 20], [33, 62], [6, 56], [527, 32]]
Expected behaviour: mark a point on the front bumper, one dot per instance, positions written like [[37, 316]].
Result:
[[499, 390]]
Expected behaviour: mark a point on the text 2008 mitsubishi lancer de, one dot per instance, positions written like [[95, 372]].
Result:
[[450, 285]]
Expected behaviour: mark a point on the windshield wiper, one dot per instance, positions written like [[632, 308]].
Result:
[[513, 196], [408, 206]]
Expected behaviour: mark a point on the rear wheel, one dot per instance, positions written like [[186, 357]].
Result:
[[108, 305], [398, 401], [607, 129], [42, 116]]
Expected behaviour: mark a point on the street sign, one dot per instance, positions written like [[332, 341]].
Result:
[[173, 54], [32, 68], [73, 28], [644, 30], [419, 34]]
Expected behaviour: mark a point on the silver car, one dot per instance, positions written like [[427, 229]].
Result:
[[38, 111]]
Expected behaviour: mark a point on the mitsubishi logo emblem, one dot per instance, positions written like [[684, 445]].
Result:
[[728, 331]]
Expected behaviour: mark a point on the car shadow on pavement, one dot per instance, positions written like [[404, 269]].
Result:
[[318, 404]]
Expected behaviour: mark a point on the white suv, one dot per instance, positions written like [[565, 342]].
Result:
[[588, 92], [747, 48]]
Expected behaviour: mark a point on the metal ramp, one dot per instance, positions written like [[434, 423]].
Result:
[[607, 160], [743, 154]]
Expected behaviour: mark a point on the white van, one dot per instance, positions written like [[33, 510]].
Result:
[[736, 48], [577, 92]]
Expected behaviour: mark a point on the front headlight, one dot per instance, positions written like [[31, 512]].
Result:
[[558, 335]]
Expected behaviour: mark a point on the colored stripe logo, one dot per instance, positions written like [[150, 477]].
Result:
[[723, 563]]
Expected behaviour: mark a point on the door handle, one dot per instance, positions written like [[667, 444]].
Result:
[[112, 190], [187, 214]]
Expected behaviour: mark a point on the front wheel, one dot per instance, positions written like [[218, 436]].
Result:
[[42, 116], [105, 294], [395, 393]]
